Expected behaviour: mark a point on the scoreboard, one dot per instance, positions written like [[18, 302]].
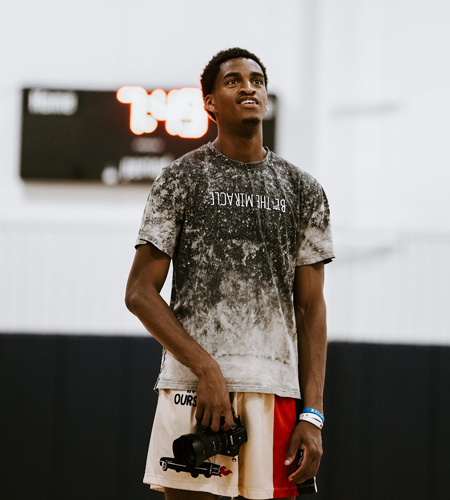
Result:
[[115, 137]]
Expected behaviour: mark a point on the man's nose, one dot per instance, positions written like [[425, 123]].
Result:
[[247, 87]]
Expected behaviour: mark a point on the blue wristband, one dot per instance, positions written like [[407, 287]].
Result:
[[316, 412]]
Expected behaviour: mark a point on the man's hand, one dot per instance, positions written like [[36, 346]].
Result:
[[213, 402], [306, 437]]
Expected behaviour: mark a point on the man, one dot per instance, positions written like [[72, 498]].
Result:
[[248, 234]]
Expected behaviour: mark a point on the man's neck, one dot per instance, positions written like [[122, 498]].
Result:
[[243, 149]]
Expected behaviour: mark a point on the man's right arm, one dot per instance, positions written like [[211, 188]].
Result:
[[143, 299]]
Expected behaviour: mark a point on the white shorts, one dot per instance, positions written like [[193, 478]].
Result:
[[258, 472]]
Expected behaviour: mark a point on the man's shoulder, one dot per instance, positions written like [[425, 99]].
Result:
[[302, 176], [191, 159], [183, 169]]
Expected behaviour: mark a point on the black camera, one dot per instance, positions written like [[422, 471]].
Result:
[[193, 449]]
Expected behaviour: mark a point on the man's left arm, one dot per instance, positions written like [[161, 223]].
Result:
[[310, 316]]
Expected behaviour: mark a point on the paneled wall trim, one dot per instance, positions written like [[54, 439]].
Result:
[[70, 276]]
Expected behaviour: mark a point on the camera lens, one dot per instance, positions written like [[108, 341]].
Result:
[[197, 447]]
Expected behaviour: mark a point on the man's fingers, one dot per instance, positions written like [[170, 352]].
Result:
[[214, 418], [206, 420], [302, 466], [308, 468], [308, 440], [316, 468], [215, 422], [229, 421], [199, 412], [294, 446], [289, 459], [222, 418]]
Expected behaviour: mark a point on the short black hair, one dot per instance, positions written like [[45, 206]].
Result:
[[211, 70]]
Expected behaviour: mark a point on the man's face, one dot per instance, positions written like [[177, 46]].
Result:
[[239, 95]]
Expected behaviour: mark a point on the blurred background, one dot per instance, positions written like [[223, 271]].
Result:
[[361, 100]]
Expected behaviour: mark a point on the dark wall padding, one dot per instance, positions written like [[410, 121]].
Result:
[[76, 414]]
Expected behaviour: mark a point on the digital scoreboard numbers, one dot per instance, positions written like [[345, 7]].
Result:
[[116, 137]]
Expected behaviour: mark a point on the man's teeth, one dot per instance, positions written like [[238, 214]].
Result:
[[248, 102]]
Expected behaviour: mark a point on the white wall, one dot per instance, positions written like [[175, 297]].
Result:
[[364, 93], [383, 112], [381, 126]]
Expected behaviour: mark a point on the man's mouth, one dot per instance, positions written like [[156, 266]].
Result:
[[248, 103]]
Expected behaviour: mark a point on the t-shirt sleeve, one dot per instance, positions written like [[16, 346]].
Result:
[[164, 211], [316, 244]]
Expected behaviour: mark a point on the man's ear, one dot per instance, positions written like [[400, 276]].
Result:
[[209, 103]]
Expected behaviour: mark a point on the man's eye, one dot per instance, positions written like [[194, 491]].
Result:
[[259, 81]]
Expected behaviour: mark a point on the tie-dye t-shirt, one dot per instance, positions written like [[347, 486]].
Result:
[[236, 231]]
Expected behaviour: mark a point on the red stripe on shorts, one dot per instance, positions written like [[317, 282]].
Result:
[[284, 422]]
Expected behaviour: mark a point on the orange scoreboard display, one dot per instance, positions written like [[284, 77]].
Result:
[[115, 137]]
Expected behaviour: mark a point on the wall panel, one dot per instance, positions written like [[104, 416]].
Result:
[[70, 277], [77, 413]]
